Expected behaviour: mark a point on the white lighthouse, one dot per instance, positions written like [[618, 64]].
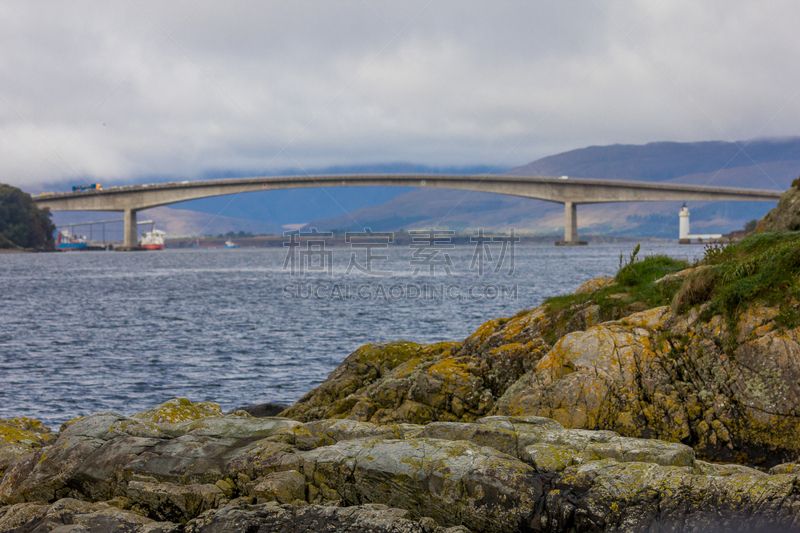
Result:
[[684, 237], [683, 230]]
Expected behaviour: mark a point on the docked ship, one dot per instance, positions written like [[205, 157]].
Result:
[[67, 241], [153, 239]]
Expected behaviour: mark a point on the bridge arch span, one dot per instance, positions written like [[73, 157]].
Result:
[[570, 192]]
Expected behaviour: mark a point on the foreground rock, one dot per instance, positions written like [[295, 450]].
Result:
[[74, 515], [312, 518], [19, 436], [497, 474]]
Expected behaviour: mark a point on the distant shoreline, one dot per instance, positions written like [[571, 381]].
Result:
[[24, 251], [400, 239]]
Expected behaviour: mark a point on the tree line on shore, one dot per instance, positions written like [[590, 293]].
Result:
[[22, 223]]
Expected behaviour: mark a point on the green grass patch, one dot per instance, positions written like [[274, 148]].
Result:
[[634, 286], [638, 277], [762, 269]]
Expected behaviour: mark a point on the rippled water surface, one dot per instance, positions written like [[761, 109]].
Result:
[[84, 332]]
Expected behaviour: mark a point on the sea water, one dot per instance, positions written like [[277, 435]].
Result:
[[82, 332]]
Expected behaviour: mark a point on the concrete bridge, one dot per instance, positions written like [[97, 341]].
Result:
[[569, 192]]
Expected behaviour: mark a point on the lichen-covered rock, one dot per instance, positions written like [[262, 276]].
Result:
[[585, 380], [19, 436], [309, 519], [326, 432], [342, 394], [726, 388], [610, 496], [239, 428], [785, 216], [714, 469], [785, 468], [445, 381], [453, 482], [14, 516], [281, 487], [69, 515], [179, 410], [93, 454], [550, 447], [498, 473], [657, 374], [594, 284], [261, 458], [682, 274], [500, 438], [43, 474], [403, 382], [174, 503]]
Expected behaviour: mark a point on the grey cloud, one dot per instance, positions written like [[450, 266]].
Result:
[[463, 82]]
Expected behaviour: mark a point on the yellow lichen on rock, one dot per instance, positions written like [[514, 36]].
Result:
[[755, 321], [482, 333], [19, 436], [342, 392], [650, 318], [589, 380], [594, 284], [23, 431], [179, 410]]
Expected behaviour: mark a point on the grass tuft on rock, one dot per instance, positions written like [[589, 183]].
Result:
[[762, 269], [635, 287]]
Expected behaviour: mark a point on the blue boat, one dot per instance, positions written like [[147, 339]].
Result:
[[67, 241]]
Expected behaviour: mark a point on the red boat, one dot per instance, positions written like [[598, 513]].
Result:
[[153, 239]]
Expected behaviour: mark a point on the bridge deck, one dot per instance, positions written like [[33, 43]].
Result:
[[570, 192]]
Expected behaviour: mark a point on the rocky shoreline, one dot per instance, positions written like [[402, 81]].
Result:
[[187, 467], [663, 399], [447, 437]]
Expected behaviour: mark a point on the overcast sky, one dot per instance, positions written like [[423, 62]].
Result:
[[130, 89]]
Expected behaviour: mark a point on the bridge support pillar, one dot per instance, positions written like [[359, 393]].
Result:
[[570, 226], [130, 240]]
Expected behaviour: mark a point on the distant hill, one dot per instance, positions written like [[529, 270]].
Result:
[[763, 164], [661, 161]]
